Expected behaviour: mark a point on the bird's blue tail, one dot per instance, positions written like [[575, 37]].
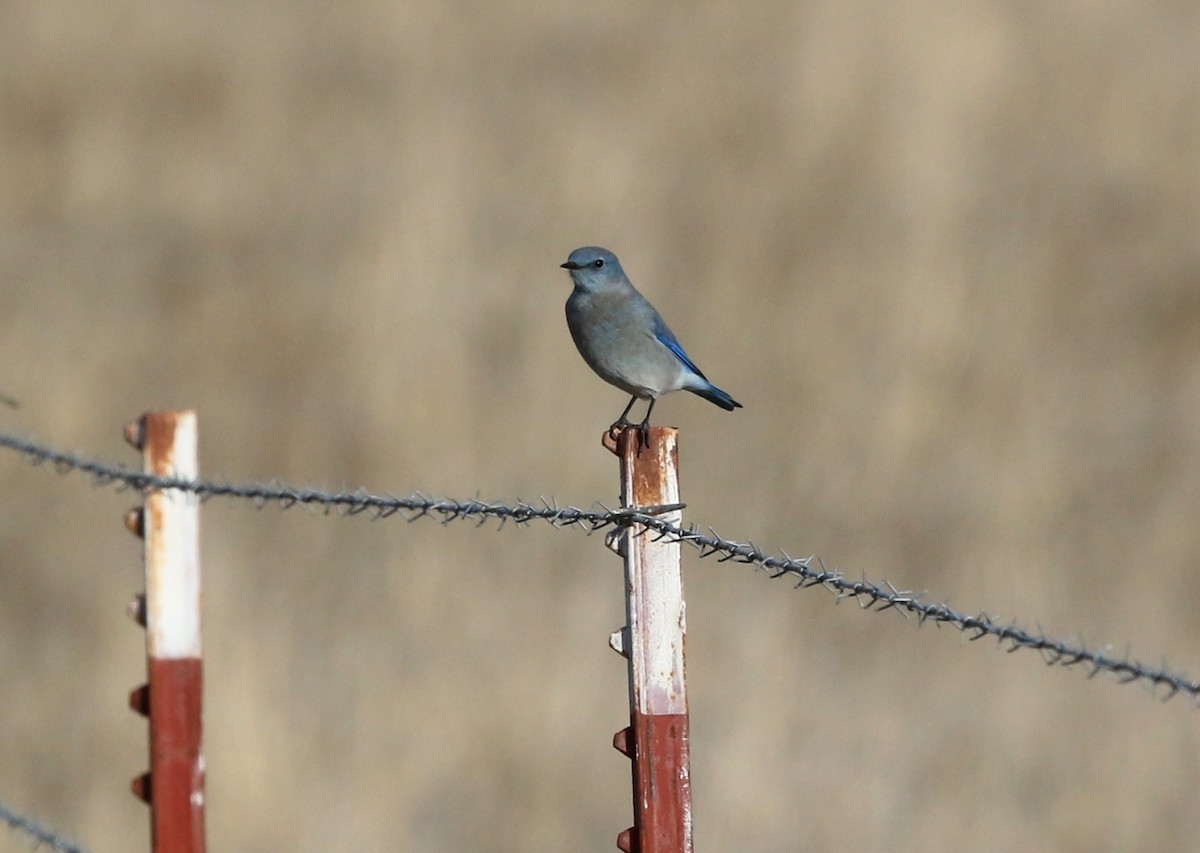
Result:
[[715, 395]]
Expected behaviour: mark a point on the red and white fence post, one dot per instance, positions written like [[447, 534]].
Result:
[[656, 740], [169, 521]]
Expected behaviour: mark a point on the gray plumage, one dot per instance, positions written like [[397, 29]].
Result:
[[623, 339]]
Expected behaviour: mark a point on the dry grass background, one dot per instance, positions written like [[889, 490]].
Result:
[[946, 253]]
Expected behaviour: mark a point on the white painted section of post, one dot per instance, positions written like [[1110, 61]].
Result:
[[656, 611], [172, 529]]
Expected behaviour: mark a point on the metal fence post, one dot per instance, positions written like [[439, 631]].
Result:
[[656, 740], [169, 521]]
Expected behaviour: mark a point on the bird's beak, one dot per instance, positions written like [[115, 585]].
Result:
[[571, 266]]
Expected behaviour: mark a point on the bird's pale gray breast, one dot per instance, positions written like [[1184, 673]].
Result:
[[614, 334]]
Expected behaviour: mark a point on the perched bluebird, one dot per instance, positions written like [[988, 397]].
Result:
[[623, 339]]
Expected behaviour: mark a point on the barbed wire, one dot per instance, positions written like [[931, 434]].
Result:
[[39, 833], [807, 572]]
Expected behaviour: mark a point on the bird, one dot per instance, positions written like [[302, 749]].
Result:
[[625, 341]]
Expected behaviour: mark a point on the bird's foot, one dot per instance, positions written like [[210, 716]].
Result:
[[618, 425], [643, 431]]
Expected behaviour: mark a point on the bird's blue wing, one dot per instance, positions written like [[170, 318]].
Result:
[[665, 337]]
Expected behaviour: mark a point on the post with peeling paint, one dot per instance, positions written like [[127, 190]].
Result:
[[169, 521], [656, 740]]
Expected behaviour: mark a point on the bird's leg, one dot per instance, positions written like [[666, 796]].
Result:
[[644, 427], [623, 421]]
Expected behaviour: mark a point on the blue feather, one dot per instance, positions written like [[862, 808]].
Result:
[[665, 337]]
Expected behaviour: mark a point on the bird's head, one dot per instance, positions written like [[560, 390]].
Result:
[[592, 268]]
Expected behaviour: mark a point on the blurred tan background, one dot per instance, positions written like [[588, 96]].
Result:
[[947, 254]]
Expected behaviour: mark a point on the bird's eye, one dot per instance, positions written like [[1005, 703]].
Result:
[[599, 262]]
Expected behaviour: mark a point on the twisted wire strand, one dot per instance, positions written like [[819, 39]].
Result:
[[38, 832], [807, 572]]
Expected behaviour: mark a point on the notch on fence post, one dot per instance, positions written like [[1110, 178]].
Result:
[[653, 641], [169, 521]]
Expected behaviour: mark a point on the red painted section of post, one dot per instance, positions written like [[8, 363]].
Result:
[[653, 641], [169, 521]]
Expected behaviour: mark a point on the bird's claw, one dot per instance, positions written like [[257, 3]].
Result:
[[615, 429], [643, 434], [643, 431], [642, 428]]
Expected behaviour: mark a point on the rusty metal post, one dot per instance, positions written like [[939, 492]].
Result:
[[653, 641], [169, 521]]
